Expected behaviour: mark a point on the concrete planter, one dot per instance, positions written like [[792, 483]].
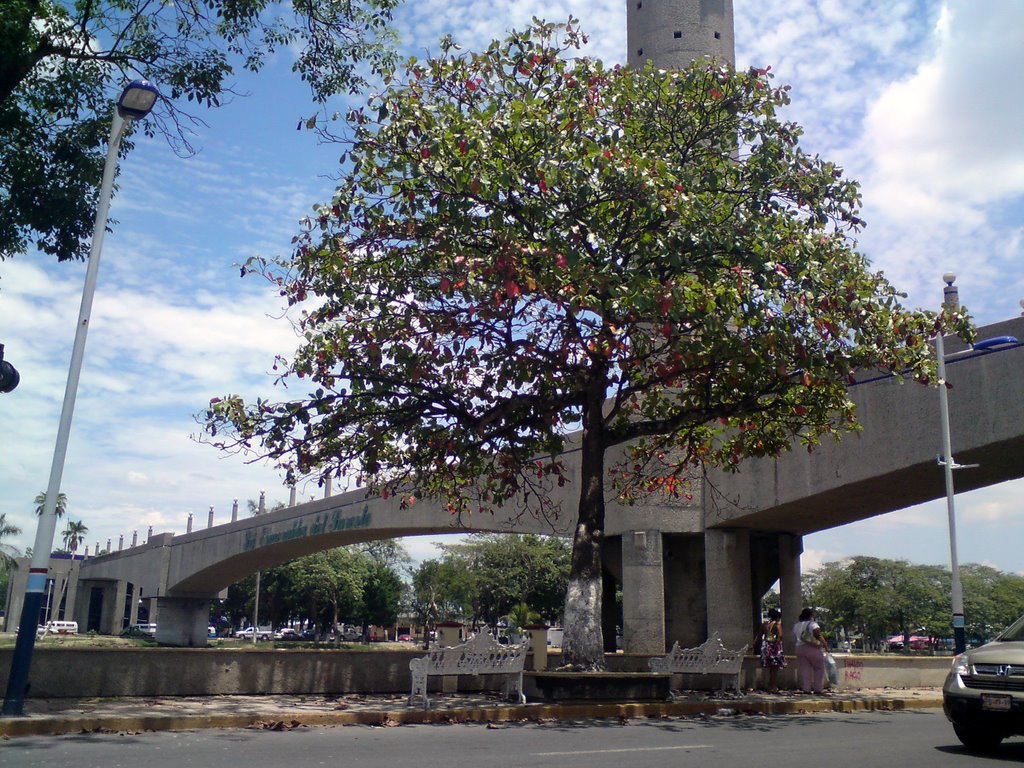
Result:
[[101, 672]]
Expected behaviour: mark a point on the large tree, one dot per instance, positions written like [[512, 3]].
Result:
[[524, 244], [63, 63]]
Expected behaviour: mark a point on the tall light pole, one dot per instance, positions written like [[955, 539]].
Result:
[[950, 301], [135, 103]]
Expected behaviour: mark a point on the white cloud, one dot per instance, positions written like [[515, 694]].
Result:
[[946, 160]]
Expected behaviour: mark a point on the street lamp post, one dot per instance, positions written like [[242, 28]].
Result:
[[136, 101], [951, 301], [946, 460], [959, 639]]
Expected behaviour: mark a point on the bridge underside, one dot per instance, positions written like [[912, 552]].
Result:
[[997, 463]]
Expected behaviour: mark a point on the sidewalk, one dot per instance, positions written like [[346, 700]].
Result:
[[55, 716]]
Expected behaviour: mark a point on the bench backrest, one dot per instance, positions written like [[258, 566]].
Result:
[[709, 656], [479, 655]]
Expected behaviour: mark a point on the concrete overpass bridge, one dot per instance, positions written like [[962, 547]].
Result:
[[684, 567]]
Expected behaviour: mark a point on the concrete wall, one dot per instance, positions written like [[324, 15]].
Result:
[[58, 673]]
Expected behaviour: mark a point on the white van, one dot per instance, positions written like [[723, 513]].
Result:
[[58, 628]]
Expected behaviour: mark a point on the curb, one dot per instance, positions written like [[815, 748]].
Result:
[[285, 719]]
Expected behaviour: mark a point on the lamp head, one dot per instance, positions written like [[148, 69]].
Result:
[[137, 100], [950, 294]]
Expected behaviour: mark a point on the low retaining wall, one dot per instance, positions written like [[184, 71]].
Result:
[[98, 672]]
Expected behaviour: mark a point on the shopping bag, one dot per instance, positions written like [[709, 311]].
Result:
[[831, 669]]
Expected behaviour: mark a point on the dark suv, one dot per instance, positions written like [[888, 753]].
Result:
[[983, 695]]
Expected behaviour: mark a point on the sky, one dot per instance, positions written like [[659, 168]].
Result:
[[921, 101]]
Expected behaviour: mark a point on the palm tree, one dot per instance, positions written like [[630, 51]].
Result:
[[74, 535], [7, 551], [62, 503], [521, 616]]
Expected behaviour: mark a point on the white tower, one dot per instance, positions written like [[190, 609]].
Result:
[[672, 33]]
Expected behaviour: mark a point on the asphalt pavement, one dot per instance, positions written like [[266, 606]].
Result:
[[281, 712]]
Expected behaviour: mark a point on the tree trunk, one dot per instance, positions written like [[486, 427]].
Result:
[[583, 643]]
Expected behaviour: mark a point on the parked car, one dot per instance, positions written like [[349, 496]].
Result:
[[983, 695], [248, 632], [287, 633], [405, 638], [141, 630]]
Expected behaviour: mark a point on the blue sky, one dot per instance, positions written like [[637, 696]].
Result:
[[919, 100]]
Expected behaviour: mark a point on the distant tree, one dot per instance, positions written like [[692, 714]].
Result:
[[330, 586], [60, 509], [383, 590], [389, 552], [507, 569], [254, 506], [237, 607], [442, 590], [74, 535], [524, 244], [8, 552], [880, 597], [62, 65], [521, 616], [992, 600]]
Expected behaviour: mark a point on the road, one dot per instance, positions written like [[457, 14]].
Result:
[[877, 739]]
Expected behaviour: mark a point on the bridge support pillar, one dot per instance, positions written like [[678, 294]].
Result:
[[183, 621], [133, 609], [791, 546], [685, 601], [730, 603], [643, 592], [111, 614]]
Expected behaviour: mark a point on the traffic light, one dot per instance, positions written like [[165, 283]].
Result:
[[9, 376]]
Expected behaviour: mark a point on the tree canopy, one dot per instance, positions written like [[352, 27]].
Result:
[[325, 589], [524, 244], [879, 597], [62, 65]]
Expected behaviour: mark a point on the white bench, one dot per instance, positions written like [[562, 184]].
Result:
[[479, 656], [708, 658]]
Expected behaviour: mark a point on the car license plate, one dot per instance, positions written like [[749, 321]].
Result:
[[995, 702]]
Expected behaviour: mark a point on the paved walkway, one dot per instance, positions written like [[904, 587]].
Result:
[[55, 716]]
